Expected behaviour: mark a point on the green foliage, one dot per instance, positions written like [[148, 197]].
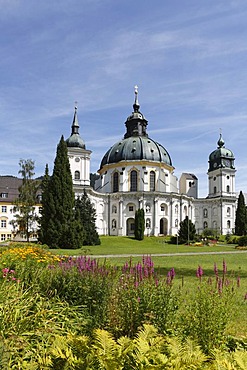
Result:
[[205, 315], [139, 224], [59, 227], [242, 241], [25, 203], [86, 216], [241, 217], [187, 231]]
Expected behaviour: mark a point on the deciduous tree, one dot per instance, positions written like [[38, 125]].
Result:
[[24, 205]]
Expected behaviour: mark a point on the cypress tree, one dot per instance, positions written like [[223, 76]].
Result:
[[187, 230], [87, 216], [240, 220], [139, 224], [59, 225]]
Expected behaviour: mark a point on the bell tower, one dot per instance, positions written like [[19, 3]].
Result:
[[221, 172]]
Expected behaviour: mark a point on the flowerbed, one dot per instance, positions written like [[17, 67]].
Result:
[[89, 298]]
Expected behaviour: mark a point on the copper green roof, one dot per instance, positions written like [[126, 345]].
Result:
[[136, 145]]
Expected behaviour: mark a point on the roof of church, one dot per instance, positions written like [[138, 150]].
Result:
[[221, 151], [75, 139], [136, 144]]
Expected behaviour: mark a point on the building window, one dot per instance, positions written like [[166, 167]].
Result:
[[228, 189], [77, 175], [3, 237], [114, 209], [114, 224], [215, 190], [115, 182], [131, 208], [4, 209], [4, 195], [133, 180], [228, 224], [205, 225], [148, 223], [205, 212], [176, 209], [40, 209], [148, 208], [228, 211], [3, 223], [8, 236], [152, 181], [176, 222]]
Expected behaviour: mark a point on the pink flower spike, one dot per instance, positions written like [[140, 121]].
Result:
[[199, 272]]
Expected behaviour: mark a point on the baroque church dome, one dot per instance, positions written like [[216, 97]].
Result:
[[136, 144], [75, 139]]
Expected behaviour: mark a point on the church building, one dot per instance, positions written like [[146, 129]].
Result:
[[137, 172]]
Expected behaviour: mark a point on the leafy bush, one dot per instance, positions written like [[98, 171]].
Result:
[[242, 241]]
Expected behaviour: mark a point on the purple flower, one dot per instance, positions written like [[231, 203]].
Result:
[[199, 272]]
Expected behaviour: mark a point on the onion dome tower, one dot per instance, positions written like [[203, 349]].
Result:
[[79, 156], [221, 172]]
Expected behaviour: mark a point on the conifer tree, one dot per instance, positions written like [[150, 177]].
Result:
[[45, 212], [139, 224], [59, 225], [87, 216], [25, 203], [240, 220], [187, 231]]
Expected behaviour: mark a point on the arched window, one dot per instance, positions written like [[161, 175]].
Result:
[[228, 189], [228, 211], [176, 222], [115, 182], [148, 208], [215, 190], [114, 224], [176, 209], [215, 225], [77, 175], [114, 209], [228, 224], [133, 180], [152, 181], [205, 225], [205, 212], [148, 223]]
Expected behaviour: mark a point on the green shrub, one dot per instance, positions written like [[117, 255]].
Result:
[[242, 241]]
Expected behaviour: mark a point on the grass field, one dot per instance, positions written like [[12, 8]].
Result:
[[185, 265]]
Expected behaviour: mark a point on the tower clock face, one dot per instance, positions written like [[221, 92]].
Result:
[[215, 164], [227, 162]]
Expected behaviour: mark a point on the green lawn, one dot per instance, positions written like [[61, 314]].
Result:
[[150, 245]]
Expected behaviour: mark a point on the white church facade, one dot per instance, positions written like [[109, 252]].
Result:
[[137, 172]]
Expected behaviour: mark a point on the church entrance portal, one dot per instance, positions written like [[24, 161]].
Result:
[[163, 226], [130, 226]]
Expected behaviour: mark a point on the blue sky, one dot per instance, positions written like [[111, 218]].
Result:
[[188, 58]]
